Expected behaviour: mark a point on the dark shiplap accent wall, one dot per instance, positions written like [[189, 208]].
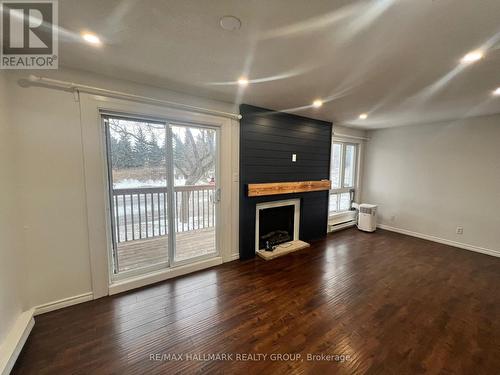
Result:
[[267, 141]]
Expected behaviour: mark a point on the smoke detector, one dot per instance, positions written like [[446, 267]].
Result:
[[230, 23]]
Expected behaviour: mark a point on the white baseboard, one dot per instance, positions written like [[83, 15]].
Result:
[[15, 340], [460, 245], [65, 302]]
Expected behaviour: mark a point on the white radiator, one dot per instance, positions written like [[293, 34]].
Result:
[[341, 220]]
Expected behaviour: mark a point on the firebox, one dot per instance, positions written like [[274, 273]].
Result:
[[276, 222]]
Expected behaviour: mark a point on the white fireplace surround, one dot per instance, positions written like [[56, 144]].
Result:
[[274, 204]]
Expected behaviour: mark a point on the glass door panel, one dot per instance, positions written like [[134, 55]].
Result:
[[139, 199], [195, 191], [349, 165]]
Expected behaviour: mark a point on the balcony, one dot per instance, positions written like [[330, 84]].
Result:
[[140, 223]]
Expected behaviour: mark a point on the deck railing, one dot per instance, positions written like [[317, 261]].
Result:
[[141, 213]]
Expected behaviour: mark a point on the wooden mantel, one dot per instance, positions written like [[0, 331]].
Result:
[[275, 188]]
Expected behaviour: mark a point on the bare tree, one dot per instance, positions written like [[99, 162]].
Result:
[[193, 154], [194, 157], [194, 160]]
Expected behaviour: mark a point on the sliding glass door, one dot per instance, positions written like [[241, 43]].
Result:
[[196, 194], [163, 193]]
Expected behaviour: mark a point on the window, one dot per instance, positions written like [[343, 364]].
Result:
[[343, 176]]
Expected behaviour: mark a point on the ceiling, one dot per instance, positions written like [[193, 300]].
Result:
[[396, 60]]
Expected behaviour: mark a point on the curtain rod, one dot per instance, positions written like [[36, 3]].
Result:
[[34, 80]]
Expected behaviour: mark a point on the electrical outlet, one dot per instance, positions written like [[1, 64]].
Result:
[[460, 230], [393, 218]]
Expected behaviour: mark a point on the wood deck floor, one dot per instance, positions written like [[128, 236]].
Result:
[[143, 253], [389, 303]]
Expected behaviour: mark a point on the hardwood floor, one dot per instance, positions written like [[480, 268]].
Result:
[[392, 304]]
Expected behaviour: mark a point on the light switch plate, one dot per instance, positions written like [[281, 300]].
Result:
[[294, 158]]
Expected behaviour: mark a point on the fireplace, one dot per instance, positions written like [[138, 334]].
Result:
[[276, 222]]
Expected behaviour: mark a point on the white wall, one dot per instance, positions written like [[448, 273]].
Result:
[[11, 281], [432, 178], [51, 187]]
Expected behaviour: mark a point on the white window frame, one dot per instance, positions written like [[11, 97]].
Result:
[[345, 189]]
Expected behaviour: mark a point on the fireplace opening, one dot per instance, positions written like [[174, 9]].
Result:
[[276, 226]]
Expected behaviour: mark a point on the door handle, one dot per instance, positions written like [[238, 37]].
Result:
[[217, 196]]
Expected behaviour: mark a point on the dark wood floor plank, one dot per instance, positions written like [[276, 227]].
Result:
[[393, 304]]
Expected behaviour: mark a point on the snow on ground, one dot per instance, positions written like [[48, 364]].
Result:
[[132, 183]]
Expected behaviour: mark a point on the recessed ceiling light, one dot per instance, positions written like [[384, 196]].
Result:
[[317, 103], [363, 116], [242, 81], [230, 23], [472, 57], [91, 38], [497, 92]]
